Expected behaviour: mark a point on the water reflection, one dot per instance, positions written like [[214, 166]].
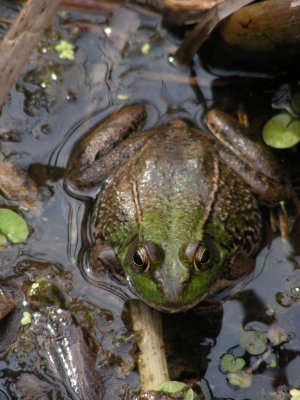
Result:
[[52, 118], [257, 307]]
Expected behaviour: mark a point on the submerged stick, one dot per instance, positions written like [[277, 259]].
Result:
[[23, 36], [152, 361]]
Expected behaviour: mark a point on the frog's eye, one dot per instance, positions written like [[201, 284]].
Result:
[[202, 259], [141, 260]]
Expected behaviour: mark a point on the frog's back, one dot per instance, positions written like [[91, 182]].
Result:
[[170, 191]]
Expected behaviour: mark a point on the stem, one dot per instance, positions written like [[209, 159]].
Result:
[[23, 36], [152, 362]]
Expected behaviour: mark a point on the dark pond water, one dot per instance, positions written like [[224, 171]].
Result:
[[53, 104]]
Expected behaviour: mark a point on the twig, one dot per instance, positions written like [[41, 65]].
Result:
[[152, 362], [180, 12], [21, 39], [7, 21], [92, 5]]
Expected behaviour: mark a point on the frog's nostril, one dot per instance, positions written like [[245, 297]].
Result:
[[97, 156]]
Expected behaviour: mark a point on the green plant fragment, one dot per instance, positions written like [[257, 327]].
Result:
[[295, 393], [189, 395], [65, 50], [3, 240], [26, 319], [242, 379], [13, 226], [33, 288], [122, 96], [146, 48], [282, 131], [231, 364], [254, 342], [171, 387]]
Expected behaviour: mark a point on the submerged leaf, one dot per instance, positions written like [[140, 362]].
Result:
[[254, 342], [282, 131], [231, 364], [243, 379], [13, 226]]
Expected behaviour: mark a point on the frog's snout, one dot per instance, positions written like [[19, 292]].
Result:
[[172, 282]]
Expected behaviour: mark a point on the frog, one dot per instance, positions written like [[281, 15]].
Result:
[[178, 214]]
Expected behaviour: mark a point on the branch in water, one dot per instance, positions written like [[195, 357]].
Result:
[[152, 362], [23, 36]]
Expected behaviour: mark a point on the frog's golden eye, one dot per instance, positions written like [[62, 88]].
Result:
[[141, 260], [202, 259]]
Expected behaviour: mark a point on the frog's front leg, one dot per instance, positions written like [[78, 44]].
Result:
[[251, 159], [99, 153]]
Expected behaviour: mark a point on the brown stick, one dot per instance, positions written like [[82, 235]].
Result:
[[180, 12], [93, 5], [152, 362], [21, 39]]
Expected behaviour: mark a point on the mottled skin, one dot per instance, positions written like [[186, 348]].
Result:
[[174, 201]]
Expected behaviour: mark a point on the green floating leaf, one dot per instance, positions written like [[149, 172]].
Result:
[[13, 226], [254, 342], [242, 379], [231, 364], [3, 240], [282, 131], [171, 387], [295, 393]]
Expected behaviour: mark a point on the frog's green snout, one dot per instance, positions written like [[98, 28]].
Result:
[[172, 280], [170, 276]]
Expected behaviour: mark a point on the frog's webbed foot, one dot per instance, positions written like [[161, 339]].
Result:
[[102, 259], [100, 153], [251, 159]]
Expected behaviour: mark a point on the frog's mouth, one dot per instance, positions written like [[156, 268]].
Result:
[[165, 306], [172, 308]]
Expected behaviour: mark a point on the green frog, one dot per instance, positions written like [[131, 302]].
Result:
[[179, 210]]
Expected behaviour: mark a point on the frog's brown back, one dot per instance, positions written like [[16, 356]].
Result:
[[175, 188]]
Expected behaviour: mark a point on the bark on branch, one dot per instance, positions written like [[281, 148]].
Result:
[[152, 361], [23, 36]]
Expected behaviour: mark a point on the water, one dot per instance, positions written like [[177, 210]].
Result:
[[56, 101]]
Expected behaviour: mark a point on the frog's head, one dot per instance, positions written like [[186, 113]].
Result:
[[173, 277]]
